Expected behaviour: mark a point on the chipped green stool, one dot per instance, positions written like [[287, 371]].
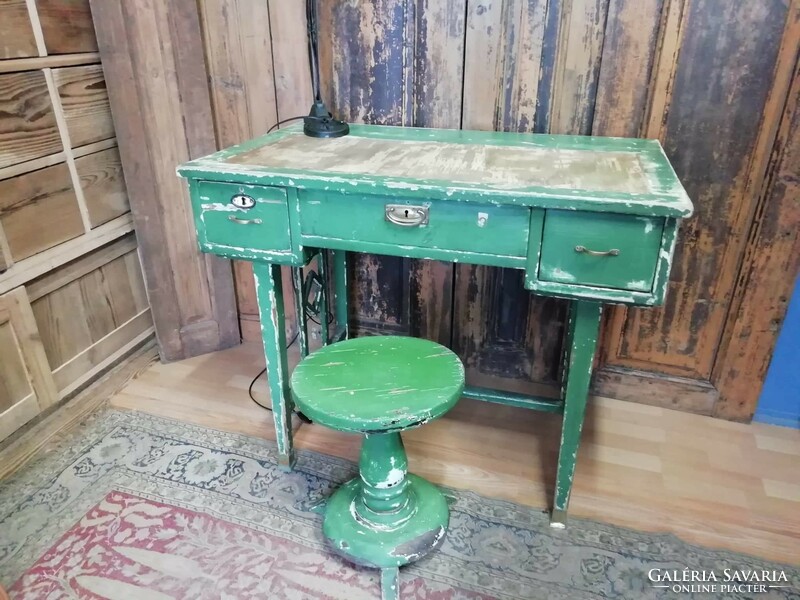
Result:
[[378, 387]]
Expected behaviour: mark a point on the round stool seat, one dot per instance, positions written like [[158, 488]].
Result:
[[378, 384]]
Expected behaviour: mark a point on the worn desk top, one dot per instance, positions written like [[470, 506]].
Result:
[[550, 171]]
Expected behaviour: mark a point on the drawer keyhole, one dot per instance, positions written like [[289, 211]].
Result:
[[406, 216]]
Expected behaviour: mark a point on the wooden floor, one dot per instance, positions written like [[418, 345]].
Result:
[[711, 482]]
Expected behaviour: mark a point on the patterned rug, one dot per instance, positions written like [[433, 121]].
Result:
[[135, 507]]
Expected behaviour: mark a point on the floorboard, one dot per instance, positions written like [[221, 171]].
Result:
[[710, 482]]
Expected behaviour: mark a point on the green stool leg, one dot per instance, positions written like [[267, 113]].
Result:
[[390, 584], [583, 327], [385, 518]]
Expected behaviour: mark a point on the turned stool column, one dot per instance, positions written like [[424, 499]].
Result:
[[379, 386]]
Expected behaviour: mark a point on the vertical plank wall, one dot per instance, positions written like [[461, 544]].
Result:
[[72, 299], [712, 80]]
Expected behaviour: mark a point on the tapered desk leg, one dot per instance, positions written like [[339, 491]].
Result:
[[582, 332], [340, 290], [300, 309], [269, 291], [322, 267]]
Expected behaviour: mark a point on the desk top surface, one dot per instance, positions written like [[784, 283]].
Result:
[[552, 171]]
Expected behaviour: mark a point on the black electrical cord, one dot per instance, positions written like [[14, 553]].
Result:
[[289, 345], [264, 370], [281, 122]]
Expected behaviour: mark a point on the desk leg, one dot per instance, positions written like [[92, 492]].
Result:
[[322, 267], [340, 291], [300, 310], [582, 332], [269, 291]]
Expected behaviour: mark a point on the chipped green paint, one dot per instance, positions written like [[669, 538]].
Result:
[[378, 383], [501, 231], [600, 249], [554, 405], [269, 291], [299, 306], [582, 332], [340, 292], [379, 386], [521, 201], [324, 310], [664, 196]]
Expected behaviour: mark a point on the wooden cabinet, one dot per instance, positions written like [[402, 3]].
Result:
[[26, 381], [72, 300]]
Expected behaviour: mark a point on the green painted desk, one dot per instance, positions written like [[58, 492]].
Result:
[[590, 219]]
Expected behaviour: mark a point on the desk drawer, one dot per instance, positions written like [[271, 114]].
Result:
[[442, 225], [600, 249], [243, 217]]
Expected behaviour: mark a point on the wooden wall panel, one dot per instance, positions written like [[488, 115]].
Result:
[[27, 123], [710, 135], [362, 60], [577, 65], [21, 353], [5, 253], [162, 121], [16, 32], [240, 64], [103, 185], [66, 26], [65, 229], [39, 210], [629, 52], [14, 384], [290, 56], [764, 287], [82, 307], [84, 99], [504, 43]]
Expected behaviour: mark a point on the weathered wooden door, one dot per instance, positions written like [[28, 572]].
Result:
[[709, 79]]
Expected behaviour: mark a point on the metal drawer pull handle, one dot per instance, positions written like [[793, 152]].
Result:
[[405, 215], [244, 221], [585, 250]]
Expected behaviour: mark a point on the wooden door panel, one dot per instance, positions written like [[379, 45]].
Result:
[[502, 331], [27, 386], [711, 135]]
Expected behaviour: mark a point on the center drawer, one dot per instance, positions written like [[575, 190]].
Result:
[[438, 224]]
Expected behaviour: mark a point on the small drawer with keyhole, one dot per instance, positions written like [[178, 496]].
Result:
[[600, 249], [242, 220]]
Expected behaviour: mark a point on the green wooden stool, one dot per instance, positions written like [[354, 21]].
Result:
[[378, 387]]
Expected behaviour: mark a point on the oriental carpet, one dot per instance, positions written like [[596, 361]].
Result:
[[136, 507]]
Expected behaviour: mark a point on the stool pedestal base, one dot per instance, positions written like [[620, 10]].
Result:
[[385, 518]]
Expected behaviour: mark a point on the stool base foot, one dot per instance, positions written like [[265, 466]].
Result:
[[390, 584], [384, 544]]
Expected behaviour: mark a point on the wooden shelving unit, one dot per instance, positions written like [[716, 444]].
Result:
[[72, 299]]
